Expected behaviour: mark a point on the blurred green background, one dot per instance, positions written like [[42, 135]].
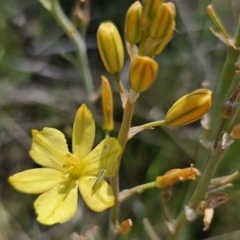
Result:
[[39, 88]]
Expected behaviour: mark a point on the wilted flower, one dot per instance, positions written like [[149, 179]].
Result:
[[64, 172], [176, 175], [110, 47], [125, 226], [142, 73], [236, 132]]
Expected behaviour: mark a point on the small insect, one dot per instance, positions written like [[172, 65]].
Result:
[[99, 178], [106, 168], [103, 171]]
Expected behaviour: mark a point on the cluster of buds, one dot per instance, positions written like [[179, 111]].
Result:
[[151, 25], [148, 29]]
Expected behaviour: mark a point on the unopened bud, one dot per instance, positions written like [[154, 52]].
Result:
[[164, 41], [110, 47], [162, 20], [133, 31], [150, 6], [189, 108], [107, 103], [142, 73]]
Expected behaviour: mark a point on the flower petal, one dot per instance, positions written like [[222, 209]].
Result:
[[83, 132], [36, 181], [57, 205], [101, 198], [48, 148], [104, 156]]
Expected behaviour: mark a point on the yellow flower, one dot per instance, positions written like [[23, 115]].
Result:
[[64, 172], [176, 175]]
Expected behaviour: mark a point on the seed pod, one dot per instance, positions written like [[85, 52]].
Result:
[[110, 47], [228, 109], [133, 32], [142, 73], [189, 108]]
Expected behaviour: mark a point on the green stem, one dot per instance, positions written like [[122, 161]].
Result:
[[236, 37], [226, 79], [128, 192], [122, 138], [165, 211], [119, 83], [79, 43], [153, 124], [149, 229], [219, 133]]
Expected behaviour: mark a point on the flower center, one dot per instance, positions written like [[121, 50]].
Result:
[[72, 171]]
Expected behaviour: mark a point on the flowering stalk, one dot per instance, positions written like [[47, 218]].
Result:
[[122, 138], [225, 80], [214, 160]]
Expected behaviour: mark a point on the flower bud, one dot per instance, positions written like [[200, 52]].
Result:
[[110, 47], [149, 7], [133, 31], [142, 73], [189, 108], [162, 20], [176, 175], [164, 41], [107, 103]]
